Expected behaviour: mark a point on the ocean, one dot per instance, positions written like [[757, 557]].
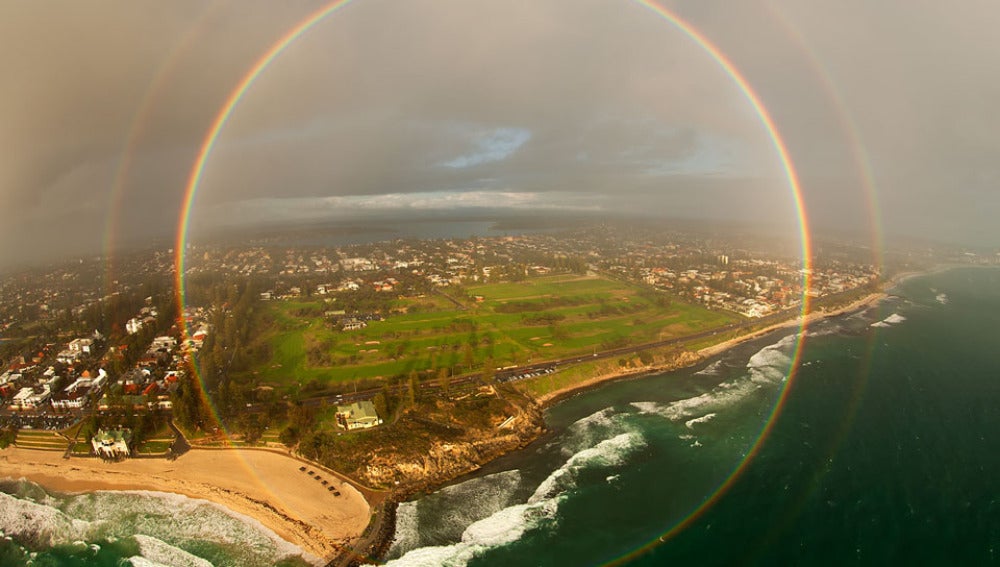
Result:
[[886, 450], [142, 529]]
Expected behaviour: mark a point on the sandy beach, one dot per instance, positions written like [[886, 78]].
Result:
[[268, 485], [263, 485], [861, 303]]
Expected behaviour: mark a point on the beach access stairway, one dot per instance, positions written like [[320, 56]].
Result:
[[41, 439]]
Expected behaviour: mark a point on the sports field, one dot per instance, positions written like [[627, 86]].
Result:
[[508, 324]]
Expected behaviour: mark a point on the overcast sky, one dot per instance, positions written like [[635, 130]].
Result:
[[417, 105]]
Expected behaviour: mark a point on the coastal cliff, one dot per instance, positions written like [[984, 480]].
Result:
[[430, 441], [447, 459]]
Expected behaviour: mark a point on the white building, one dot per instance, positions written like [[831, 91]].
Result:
[[80, 345], [113, 444], [359, 415], [164, 342], [133, 326], [67, 356], [30, 398]]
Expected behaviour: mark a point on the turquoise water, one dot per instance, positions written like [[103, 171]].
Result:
[[886, 452], [142, 529]]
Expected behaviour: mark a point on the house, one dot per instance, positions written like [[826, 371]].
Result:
[[133, 326], [113, 444], [71, 399], [165, 342], [67, 356], [80, 345], [359, 415], [30, 398], [352, 324]]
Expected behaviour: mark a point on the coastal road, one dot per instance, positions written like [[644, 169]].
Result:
[[521, 372]]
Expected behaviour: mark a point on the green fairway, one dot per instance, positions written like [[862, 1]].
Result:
[[514, 323]]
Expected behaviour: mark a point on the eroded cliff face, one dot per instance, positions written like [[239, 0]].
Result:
[[446, 459]]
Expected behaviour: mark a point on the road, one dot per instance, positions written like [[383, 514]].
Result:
[[521, 372]]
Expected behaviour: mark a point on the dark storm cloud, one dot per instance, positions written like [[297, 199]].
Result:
[[450, 104]]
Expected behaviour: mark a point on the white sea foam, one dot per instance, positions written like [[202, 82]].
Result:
[[942, 298], [163, 553], [38, 522], [703, 419], [711, 370], [722, 396], [407, 536], [189, 515], [511, 523], [503, 527], [589, 430], [767, 367], [647, 407], [610, 452], [770, 364], [468, 502], [598, 418], [139, 561], [893, 319], [111, 515], [813, 333]]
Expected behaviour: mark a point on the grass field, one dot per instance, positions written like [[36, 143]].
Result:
[[155, 447], [515, 323]]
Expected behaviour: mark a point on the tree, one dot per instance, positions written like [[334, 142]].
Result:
[[414, 387], [444, 381], [381, 405], [489, 371], [468, 356], [7, 436], [645, 357]]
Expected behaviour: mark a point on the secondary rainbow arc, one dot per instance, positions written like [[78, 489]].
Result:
[[717, 55]]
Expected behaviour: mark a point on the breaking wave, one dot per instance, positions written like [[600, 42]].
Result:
[[163, 525], [767, 368], [713, 369], [770, 365], [889, 321], [140, 561], [590, 430], [467, 502], [610, 452], [703, 419], [162, 553], [509, 524]]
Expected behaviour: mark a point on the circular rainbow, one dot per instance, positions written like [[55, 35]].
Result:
[[713, 51]]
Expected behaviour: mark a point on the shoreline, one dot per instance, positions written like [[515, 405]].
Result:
[[694, 358], [304, 520], [265, 487], [683, 360]]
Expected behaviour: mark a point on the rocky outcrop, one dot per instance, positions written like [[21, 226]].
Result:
[[448, 459]]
